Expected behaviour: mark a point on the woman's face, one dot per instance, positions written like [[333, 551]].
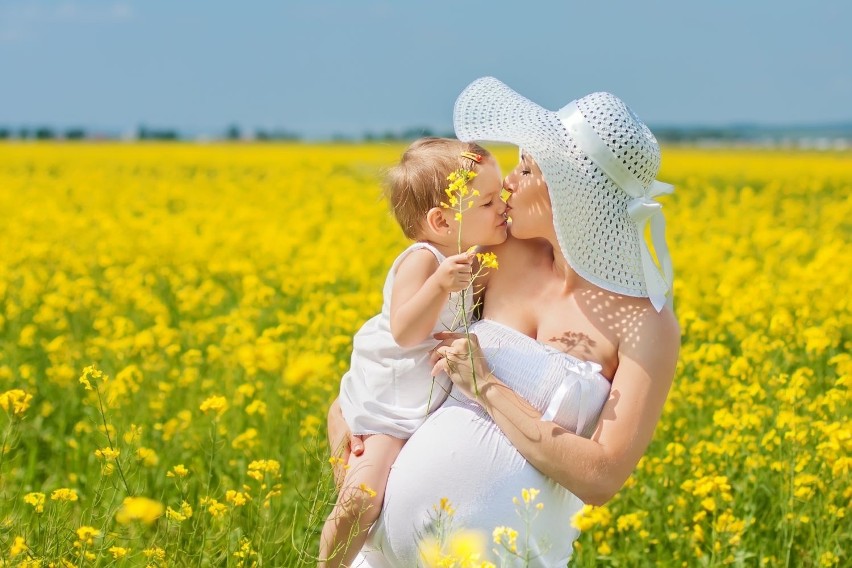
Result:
[[529, 201]]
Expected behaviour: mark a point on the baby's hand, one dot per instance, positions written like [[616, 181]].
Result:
[[454, 273]]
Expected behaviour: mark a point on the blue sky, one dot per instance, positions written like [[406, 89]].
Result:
[[322, 67]]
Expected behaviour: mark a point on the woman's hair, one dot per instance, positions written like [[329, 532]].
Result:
[[417, 183]]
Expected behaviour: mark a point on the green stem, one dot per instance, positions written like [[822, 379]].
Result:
[[209, 482], [6, 435], [464, 319], [109, 440]]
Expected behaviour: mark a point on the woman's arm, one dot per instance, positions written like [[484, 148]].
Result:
[[595, 469]]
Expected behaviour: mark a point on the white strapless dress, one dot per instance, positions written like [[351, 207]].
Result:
[[460, 454]]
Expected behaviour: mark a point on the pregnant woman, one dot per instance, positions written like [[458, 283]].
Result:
[[577, 346]]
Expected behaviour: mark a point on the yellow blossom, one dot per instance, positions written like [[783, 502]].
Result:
[[488, 260], [214, 405], [64, 494], [178, 471], [15, 402], [118, 552], [237, 498], [107, 454], [446, 506], [140, 509], [184, 513], [154, 553], [147, 456], [36, 500], [258, 468], [133, 434], [19, 546], [463, 549], [216, 509], [87, 535], [91, 373], [590, 517], [506, 537]]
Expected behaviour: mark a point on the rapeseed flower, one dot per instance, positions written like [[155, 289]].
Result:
[[180, 515], [64, 494], [19, 546], [15, 402], [216, 405], [141, 509], [507, 537], [86, 535], [216, 509], [36, 500], [178, 471], [118, 552], [189, 297]]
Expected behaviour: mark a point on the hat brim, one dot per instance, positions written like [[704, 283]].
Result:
[[488, 110]]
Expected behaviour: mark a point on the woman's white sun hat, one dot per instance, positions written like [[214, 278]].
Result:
[[599, 161]]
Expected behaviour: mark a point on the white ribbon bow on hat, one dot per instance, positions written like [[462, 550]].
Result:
[[643, 209]]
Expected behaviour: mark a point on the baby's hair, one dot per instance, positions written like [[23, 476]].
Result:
[[417, 183]]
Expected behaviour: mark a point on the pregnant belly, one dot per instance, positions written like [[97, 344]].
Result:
[[466, 459]]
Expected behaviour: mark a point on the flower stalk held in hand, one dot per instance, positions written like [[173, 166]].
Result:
[[460, 199]]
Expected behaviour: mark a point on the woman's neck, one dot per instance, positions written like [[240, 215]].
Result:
[[563, 271]]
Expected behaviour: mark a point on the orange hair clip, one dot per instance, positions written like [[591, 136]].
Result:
[[471, 156]]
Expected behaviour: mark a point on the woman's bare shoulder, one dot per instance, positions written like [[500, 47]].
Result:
[[648, 332]]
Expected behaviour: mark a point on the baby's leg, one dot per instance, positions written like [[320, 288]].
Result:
[[359, 502]]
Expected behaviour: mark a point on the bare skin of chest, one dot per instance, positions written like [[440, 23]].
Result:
[[564, 324]]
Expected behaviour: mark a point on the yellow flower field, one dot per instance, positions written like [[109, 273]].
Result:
[[174, 320]]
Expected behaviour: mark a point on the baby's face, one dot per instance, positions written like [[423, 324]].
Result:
[[484, 222]]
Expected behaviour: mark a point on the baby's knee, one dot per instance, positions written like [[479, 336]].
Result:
[[360, 503]]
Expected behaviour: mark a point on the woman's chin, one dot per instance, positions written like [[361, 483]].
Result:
[[517, 231]]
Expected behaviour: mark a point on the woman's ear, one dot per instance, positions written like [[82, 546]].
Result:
[[436, 222]]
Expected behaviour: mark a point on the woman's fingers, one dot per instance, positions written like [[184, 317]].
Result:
[[440, 367], [442, 335]]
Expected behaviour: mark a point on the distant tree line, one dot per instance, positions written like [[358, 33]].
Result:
[[143, 132], [42, 133], [665, 134]]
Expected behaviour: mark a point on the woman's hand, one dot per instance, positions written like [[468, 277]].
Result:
[[453, 356], [341, 443]]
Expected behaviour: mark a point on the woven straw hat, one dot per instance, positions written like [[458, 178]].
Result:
[[599, 162]]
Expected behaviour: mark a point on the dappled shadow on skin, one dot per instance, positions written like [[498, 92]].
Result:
[[607, 414], [574, 341], [615, 315]]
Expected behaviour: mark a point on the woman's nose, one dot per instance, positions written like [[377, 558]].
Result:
[[505, 203], [509, 183]]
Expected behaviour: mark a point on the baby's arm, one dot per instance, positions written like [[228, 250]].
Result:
[[420, 291]]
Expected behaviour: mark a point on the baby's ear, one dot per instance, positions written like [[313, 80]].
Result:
[[436, 221]]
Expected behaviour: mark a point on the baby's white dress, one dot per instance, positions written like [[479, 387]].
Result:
[[460, 454], [388, 389]]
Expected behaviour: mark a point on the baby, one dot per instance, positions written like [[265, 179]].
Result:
[[388, 390]]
